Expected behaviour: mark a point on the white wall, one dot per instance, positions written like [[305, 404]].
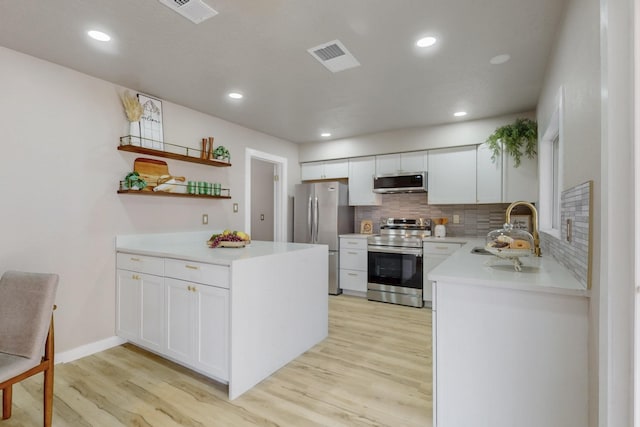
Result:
[[591, 64], [411, 139], [60, 169]]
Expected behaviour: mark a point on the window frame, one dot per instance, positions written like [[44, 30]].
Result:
[[551, 171]]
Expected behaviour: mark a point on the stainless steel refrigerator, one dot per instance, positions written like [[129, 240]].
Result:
[[321, 212]]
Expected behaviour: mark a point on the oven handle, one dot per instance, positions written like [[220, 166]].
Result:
[[395, 250]]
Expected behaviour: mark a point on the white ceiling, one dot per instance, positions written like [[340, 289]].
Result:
[[259, 48]]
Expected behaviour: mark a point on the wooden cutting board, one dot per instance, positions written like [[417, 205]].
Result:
[[150, 170]]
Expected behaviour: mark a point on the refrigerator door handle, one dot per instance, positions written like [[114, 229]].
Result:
[[309, 223], [316, 218]]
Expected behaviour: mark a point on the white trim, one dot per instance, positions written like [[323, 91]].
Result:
[[88, 349], [280, 193]]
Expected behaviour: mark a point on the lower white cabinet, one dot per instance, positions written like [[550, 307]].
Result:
[[433, 254], [197, 326], [181, 313], [140, 308], [353, 264], [509, 357]]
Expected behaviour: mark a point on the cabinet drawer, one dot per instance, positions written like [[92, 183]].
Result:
[[353, 280], [141, 263], [352, 259], [440, 248], [207, 274], [347, 243]]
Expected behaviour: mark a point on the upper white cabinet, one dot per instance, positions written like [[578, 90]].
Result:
[[488, 176], [330, 169], [401, 162], [500, 181], [520, 183], [452, 175], [361, 172]]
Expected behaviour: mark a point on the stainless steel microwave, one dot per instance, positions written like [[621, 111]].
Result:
[[412, 182]]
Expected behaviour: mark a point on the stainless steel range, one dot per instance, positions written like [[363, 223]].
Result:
[[395, 261]]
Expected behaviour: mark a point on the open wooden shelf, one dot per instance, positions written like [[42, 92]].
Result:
[[165, 194], [126, 145]]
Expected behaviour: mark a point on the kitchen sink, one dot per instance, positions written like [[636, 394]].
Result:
[[480, 251]]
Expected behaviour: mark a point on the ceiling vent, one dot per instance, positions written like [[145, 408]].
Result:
[[334, 55], [195, 11]]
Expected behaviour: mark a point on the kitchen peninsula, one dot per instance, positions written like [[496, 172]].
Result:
[[509, 347], [236, 315]]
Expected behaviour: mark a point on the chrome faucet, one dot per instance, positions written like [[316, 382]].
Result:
[[534, 212]]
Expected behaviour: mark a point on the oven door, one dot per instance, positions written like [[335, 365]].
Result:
[[395, 275], [396, 266]]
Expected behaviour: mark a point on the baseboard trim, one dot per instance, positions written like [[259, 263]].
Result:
[[88, 349]]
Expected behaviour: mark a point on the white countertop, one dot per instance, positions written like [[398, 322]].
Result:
[[538, 273], [356, 235], [192, 246]]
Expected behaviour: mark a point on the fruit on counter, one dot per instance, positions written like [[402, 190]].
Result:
[[228, 236]]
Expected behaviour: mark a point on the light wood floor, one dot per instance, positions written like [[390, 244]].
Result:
[[373, 370]]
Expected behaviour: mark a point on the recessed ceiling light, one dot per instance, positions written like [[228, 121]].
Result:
[[325, 134], [426, 42], [460, 113], [500, 59], [99, 35], [236, 95]]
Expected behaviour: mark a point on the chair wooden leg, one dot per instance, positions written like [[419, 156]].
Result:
[[6, 402], [48, 377]]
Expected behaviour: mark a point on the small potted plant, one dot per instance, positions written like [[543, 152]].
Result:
[[513, 139], [221, 153]]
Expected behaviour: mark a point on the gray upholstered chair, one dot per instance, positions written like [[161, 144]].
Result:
[[26, 334]]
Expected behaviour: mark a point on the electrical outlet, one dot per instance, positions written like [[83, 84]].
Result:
[[456, 219], [235, 208], [205, 219]]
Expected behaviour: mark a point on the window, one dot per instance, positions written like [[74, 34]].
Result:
[[550, 164]]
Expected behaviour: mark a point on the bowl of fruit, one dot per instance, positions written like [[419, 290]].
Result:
[[229, 239]]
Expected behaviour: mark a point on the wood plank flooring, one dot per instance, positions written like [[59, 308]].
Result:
[[373, 370]]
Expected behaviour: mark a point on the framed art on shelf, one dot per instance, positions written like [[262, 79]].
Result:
[[151, 122]]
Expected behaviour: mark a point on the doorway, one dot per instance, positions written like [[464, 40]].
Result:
[[265, 178]]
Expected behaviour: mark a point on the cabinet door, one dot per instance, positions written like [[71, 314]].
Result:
[[452, 175], [336, 169], [152, 315], [520, 183], [488, 176], [179, 319], [212, 326], [361, 172], [414, 161], [128, 305], [311, 171], [388, 163]]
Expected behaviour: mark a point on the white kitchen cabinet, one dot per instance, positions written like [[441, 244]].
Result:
[[415, 161], [501, 182], [330, 169], [507, 357], [140, 301], [488, 176], [197, 326], [353, 265], [452, 175], [433, 254], [361, 173], [520, 183]]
